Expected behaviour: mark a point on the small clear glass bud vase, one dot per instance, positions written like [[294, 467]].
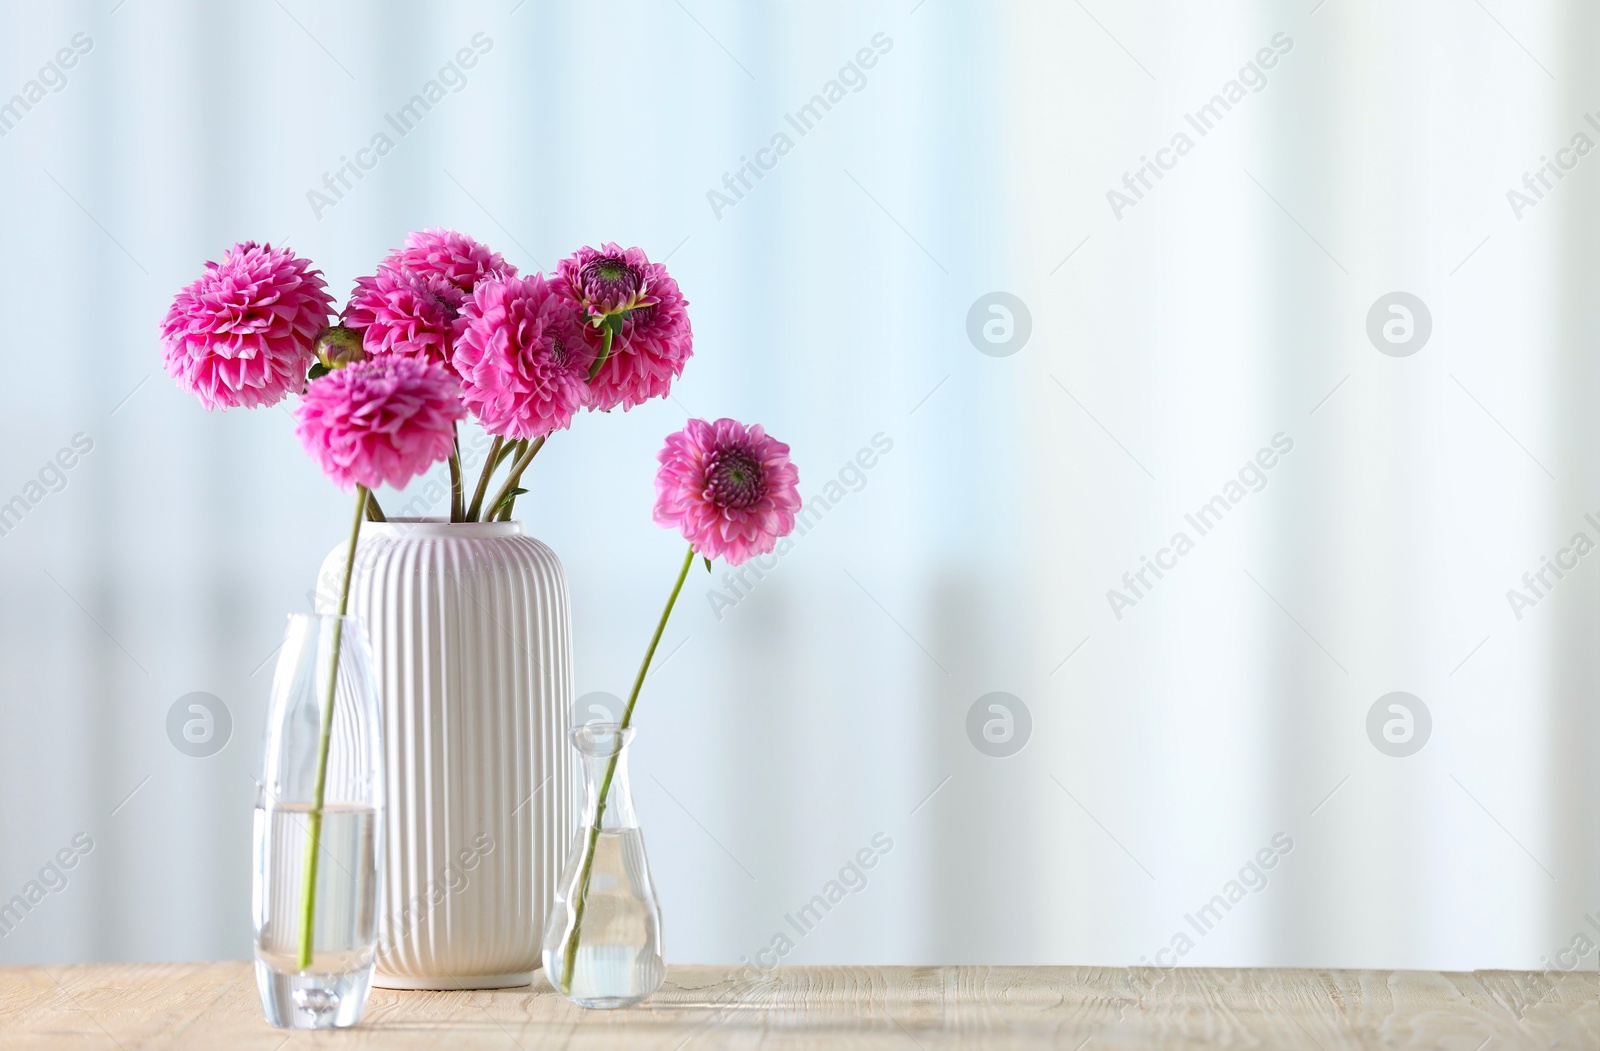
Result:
[[602, 942], [314, 953]]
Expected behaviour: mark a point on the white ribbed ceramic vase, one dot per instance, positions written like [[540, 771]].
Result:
[[469, 629]]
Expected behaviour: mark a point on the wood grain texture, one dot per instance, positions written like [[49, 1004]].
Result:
[[214, 1005]]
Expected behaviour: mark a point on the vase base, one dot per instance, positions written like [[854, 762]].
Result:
[[299, 1000], [452, 983], [607, 1003]]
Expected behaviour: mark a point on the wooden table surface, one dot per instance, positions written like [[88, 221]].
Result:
[[214, 1006]]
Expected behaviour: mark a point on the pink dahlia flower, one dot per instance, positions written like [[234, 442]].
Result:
[[385, 419], [522, 357], [242, 333], [654, 340], [729, 489], [609, 279], [405, 313], [456, 258]]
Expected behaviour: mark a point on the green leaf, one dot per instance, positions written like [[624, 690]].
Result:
[[318, 371], [512, 495], [708, 563]]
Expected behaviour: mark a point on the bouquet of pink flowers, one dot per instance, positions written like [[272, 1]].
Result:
[[521, 354], [447, 329]]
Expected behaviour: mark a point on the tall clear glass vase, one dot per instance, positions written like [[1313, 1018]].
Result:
[[314, 954], [602, 942]]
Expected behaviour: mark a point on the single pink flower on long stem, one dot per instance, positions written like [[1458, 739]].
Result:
[[241, 334], [728, 488], [732, 492], [386, 419], [383, 419]]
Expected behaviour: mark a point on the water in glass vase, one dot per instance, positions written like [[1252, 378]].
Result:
[[344, 931], [602, 944], [324, 744]]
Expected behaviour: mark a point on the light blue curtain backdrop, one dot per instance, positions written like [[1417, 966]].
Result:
[[1195, 279]]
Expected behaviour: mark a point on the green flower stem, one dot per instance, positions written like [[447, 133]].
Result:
[[509, 451], [517, 467], [608, 332], [611, 769], [512, 448], [489, 463], [458, 506], [314, 826]]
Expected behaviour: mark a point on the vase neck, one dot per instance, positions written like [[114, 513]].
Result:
[[439, 528], [603, 748]]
